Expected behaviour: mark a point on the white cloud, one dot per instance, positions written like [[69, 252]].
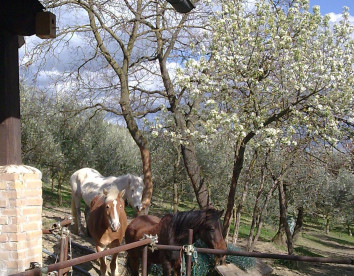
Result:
[[336, 17]]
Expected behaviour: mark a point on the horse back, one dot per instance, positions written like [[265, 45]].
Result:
[[141, 225]]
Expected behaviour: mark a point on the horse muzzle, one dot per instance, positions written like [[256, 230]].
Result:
[[115, 226], [219, 260]]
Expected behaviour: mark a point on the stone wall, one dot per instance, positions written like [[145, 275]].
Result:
[[20, 218]]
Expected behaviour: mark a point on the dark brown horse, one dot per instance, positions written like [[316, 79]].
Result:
[[107, 223], [173, 230]]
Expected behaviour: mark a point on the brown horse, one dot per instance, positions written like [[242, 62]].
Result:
[[173, 230], [107, 223]]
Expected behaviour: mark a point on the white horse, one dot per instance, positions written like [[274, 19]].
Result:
[[87, 183]]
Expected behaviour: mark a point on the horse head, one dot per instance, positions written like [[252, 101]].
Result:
[[135, 192], [211, 233], [114, 206]]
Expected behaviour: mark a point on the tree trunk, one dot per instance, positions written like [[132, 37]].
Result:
[[52, 182], [299, 223], [237, 223], [236, 172], [140, 140], [183, 121], [127, 112], [349, 230], [279, 237], [238, 212], [195, 175], [327, 224], [255, 214], [259, 222], [283, 217], [175, 182], [60, 181], [243, 198]]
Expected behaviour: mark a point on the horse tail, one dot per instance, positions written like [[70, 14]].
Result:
[[73, 212], [73, 180]]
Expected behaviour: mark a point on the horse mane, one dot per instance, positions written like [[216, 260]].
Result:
[[112, 194], [181, 221]]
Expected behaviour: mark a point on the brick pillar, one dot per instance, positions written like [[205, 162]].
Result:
[[20, 218]]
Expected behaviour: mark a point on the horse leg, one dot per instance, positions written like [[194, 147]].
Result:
[[103, 266], [87, 212], [76, 212], [166, 268], [176, 270], [79, 225], [177, 266], [133, 263], [113, 265]]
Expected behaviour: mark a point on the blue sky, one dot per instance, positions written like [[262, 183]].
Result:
[[335, 6]]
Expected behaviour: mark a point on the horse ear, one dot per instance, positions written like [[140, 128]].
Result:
[[93, 202], [220, 213], [105, 192], [122, 193]]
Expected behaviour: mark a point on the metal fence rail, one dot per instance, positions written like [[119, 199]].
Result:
[[148, 241], [83, 259]]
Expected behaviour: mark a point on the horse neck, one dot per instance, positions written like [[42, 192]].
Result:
[[181, 231]]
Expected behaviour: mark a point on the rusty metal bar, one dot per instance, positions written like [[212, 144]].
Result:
[[90, 257], [83, 259], [263, 255], [63, 254], [277, 256], [189, 256], [144, 261], [64, 223], [169, 247], [75, 267], [94, 256]]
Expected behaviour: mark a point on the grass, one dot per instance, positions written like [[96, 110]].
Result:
[[341, 238], [305, 251], [267, 233]]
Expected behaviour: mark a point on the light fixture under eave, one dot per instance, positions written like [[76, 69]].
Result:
[[182, 6]]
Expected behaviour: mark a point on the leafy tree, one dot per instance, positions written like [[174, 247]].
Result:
[[59, 144], [273, 70]]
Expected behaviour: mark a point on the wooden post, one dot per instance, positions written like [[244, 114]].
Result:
[[10, 126]]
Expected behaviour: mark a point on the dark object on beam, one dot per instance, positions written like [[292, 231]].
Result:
[[19, 16], [182, 6]]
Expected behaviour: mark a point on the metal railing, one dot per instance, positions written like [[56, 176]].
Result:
[[63, 265]]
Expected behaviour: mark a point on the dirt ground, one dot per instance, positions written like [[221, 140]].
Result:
[[327, 248]]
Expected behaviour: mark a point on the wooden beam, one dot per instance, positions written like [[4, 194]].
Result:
[[19, 16], [10, 126]]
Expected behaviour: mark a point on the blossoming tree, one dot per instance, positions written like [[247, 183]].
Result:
[[273, 70]]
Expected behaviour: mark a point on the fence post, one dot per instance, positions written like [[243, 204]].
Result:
[[63, 255], [144, 260], [189, 255]]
